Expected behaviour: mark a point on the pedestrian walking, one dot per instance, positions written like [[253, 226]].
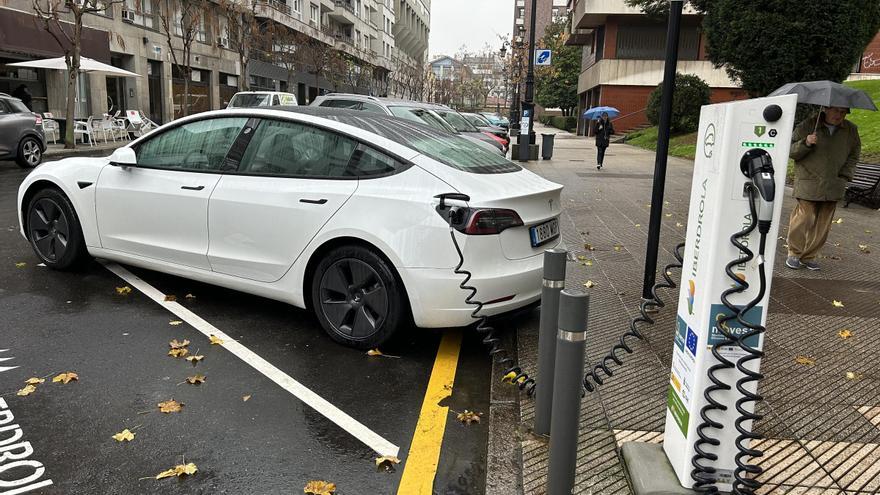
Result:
[[603, 129], [825, 149]]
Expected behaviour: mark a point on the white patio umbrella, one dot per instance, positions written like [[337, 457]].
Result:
[[85, 65]]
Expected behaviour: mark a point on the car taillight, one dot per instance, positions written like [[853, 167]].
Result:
[[496, 138], [490, 221], [38, 118]]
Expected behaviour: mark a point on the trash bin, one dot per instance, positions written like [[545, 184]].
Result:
[[547, 146]]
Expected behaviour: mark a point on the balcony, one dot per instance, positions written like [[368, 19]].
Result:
[[281, 13], [648, 73], [343, 13], [593, 13]]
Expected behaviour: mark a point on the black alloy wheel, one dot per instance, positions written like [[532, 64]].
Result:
[[54, 231], [356, 297]]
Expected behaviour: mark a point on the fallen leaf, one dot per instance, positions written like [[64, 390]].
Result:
[[581, 257], [588, 263], [589, 247], [35, 381], [317, 487], [65, 377], [836, 244], [852, 375], [178, 345], [195, 359], [679, 224], [508, 378], [124, 436], [638, 225], [189, 296], [618, 247], [837, 304], [174, 323], [806, 361], [868, 232], [178, 470], [864, 248], [387, 462], [845, 333], [589, 284], [245, 398], [668, 215], [838, 221], [170, 298], [20, 264], [468, 417], [170, 406], [178, 353], [27, 390], [832, 257], [215, 340], [374, 352], [196, 379], [123, 291]]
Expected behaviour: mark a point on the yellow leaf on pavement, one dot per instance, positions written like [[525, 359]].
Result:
[[178, 353], [374, 352], [189, 297], [35, 381], [27, 390], [123, 291], [170, 298], [618, 247], [196, 379], [838, 221], [845, 333], [174, 323], [20, 264], [508, 378], [195, 359], [178, 470], [387, 462], [805, 360], [679, 224], [589, 247], [215, 340], [589, 284], [65, 377], [837, 304], [124, 436], [850, 375], [245, 398], [668, 215], [170, 406], [468, 417], [864, 248], [317, 487], [174, 344]]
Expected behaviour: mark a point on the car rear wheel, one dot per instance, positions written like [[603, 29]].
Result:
[[54, 231], [30, 154], [356, 297]]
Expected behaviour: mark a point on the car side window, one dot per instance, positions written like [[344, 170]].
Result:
[[368, 162], [349, 104], [199, 146], [372, 107], [290, 149]]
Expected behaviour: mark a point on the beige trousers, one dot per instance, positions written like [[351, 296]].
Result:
[[808, 227]]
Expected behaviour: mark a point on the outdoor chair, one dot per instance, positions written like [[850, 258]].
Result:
[[865, 186], [51, 128], [83, 129], [137, 123]]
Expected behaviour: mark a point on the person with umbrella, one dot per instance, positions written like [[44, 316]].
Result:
[[825, 148], [603, 129]]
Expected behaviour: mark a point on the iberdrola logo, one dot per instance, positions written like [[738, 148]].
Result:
[[692, 289]]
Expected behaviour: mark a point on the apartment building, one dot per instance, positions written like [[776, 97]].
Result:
[[547, 11], [623, 58], [130, 35]]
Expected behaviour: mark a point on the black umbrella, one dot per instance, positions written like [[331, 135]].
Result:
[[827, 94]]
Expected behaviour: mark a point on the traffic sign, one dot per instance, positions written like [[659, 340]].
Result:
[[543, 57]]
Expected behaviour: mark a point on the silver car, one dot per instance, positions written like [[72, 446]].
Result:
[[21, 133]]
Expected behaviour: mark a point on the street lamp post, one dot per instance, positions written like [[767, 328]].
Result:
[[515, 74], [528, 105]]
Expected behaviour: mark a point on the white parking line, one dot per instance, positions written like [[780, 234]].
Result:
[[355, 428]]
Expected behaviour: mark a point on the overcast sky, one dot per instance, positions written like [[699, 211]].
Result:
[[468, 22]]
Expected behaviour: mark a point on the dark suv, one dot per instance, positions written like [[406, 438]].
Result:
[[21, 133]]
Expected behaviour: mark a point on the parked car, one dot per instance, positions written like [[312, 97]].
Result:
[[411, 110], [496, 119], [21, 133], [483, 124], [462, 125], [333, 210], [252, 99]]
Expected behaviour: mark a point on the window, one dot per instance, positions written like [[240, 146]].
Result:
[[315, 14], [368, 161], [297, 5], [350, 104], [422, 116], [372, 107], [462, 154], [521, 12], [198, 146], [289, 149]]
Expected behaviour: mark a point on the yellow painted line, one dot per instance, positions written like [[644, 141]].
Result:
[[424, 452]]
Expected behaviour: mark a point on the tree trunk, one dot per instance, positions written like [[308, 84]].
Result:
[[72, 79]]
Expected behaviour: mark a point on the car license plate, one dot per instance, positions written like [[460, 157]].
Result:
[[545, 232]]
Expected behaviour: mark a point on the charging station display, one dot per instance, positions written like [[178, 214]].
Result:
[[731, 135]]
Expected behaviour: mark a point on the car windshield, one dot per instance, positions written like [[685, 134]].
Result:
[[475, 120], [248, 100], [422, 116], [461, 153], [457, 121]]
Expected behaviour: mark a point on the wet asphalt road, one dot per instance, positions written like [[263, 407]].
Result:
[[52, 322]]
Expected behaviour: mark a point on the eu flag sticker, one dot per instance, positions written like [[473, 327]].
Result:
[[691, 341]]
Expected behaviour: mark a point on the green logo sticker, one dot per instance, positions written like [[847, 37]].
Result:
[[760, 130]]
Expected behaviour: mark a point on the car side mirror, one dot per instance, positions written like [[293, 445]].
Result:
[[123, 157]]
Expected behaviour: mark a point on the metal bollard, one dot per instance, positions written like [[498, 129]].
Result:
[[570, 348], [554, 282]]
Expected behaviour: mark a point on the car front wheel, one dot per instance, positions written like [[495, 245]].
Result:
[[356, 297], [30, 154], [54, 231]]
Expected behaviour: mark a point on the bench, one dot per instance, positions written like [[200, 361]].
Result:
[[864, 186]]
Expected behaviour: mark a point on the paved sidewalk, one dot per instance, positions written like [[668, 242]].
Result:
[[821, 426], [57, 151]]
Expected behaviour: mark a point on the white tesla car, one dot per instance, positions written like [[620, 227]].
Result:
[[326, 209]]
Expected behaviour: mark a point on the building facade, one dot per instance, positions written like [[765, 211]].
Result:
[[360, 36], [547, 11]]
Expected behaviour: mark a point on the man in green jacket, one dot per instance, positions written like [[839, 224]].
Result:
[[825, 153]]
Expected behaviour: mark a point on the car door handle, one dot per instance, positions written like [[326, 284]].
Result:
[[313, 201], [192, 188]]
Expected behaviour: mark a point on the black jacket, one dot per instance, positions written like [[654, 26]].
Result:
[[603, 131]]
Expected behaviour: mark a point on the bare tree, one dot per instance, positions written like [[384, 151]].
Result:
[[319, 58], [243, 31], [52, 14], [286, 49], [184, 19]]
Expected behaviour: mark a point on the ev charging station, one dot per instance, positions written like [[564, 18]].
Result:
[[730, 135]]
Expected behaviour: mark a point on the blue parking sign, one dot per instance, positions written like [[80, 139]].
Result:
[[543, 57]]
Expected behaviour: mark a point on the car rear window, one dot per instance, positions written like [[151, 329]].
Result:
[[463, 154], [457, 121], [249, 100], [422, 116], [17, 106]]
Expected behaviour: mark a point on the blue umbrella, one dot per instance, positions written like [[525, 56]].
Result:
[[596, 112]]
